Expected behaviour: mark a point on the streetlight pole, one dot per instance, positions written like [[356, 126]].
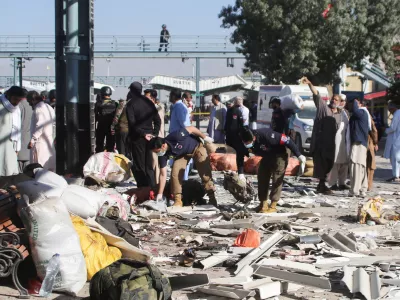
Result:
[[108, 67]]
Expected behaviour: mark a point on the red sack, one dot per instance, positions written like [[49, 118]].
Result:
[[248, 238], [293, 167], [251, 165], [214, 157], [227, 163]]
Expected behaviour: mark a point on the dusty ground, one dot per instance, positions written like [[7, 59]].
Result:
[[339, 219]]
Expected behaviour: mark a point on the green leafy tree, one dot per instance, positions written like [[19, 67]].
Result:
[[285, 40]]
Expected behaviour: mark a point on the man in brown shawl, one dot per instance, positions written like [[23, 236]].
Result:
[[322, 148]]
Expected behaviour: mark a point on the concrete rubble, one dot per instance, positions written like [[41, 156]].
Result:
[[313, 248], [299, 253]]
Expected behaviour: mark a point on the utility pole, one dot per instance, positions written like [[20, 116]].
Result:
[[20, 67], [198, 99], [72, 77], [15, 71]]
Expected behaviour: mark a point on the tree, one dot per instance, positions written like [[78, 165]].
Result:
[[285, 40]]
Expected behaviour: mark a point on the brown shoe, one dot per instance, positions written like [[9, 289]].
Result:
[[323, 189], [263, 208], [178, 200]]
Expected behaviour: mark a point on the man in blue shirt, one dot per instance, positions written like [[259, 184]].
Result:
[[359, 130], [179, 112], [180, 118], [182, 146]]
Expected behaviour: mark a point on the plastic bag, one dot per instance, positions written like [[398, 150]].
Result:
[[97, 253], [51, 231], [248, 238], [103, 165], [292, 102], [36, 191], [82, 201], [114, 206]]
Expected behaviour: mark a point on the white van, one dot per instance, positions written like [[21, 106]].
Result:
[[304, 120]]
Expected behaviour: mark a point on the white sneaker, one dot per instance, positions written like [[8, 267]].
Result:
[[363, 194]]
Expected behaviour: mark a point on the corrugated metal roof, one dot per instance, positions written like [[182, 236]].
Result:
[[208, 85]]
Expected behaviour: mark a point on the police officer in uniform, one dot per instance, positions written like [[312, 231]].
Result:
[[278, 120], [271, 146], [182, 146], [233, 126], [104, 113]]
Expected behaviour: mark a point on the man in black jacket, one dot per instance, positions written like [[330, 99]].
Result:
[[144, 124], [104, 113], [271, 146]]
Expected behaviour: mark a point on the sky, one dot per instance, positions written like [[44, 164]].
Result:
[[124, 17]]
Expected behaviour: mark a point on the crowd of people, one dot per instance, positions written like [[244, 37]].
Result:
[[27, 131], [343, 146]]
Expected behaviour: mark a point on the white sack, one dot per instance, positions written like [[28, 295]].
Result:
[[50, 178], [102, 165], [82, 201], [292, 101], [51, 231], [38, 191]]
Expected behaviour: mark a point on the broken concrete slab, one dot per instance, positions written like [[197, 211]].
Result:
[[215, 259], [245, 271], [176, 210], [237, 280], [188, 281], [259, 251], [318, 282], [345, 240], [357, 280], [333, 242], [231, 293], [269, 290], [255, 283], [239, 250], [356, 262], [292, 266]]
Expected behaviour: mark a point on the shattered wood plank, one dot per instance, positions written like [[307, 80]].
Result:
[[321, 283], [215, 259], [259, 251]]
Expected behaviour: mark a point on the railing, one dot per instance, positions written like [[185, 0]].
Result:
[[116, 43]]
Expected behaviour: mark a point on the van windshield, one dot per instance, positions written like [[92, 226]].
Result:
[[307, 113]]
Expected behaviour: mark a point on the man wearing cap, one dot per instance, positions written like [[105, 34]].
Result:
[[164, 38], [271, 146], [182, 146], [105, 110], [144, 124], [392, 147]]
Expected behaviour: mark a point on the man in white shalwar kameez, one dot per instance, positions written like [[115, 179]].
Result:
[[338, 175], [42, 141], [8, 156], [392, 147]]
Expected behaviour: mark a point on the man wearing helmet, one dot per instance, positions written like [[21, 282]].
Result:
[[104, 113], [164, 38]]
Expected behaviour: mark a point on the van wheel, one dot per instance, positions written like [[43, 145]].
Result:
[[298, 143]]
